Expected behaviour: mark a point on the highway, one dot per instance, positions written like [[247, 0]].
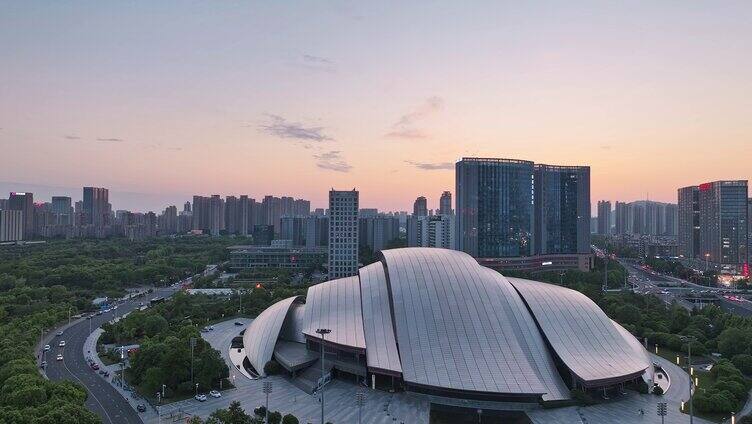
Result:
[[669, 288], [102, 399]]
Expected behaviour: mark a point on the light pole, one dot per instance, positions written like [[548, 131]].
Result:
[[196, 389], [662, 411], [164, 386], [360, 399], [193, 345], [689, 340], [323, 332], [267, 389]]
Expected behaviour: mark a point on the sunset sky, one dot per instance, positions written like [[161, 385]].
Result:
[[167, 99]]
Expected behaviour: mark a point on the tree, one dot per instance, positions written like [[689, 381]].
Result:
[[743, 362], [275, 417], [290, 419]]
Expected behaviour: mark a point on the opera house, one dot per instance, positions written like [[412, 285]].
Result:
[[433, 321]]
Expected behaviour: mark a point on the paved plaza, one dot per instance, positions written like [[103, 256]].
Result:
[[382, 407]]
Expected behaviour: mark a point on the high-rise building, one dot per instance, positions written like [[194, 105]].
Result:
[[246, 215], [445, 203], [604, 217], [343, 233], [377, 231], [302, 208], [562, 209], [168, 221], [749, 235], [62, 210], [671, 220], [622, 223], [420, 207], [96, 207], [293, 228], [24, 202], [11, 225], [431, 231], [368, 213], [317, 231], [200, 215], [514, 215], [494, 207], [3, 204], [216, 215], [187, 207], [723, 223], [263, 235]]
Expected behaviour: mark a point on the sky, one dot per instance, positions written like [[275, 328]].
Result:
[[163, 100]]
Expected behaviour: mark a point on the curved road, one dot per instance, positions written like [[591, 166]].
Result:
[[103, 399]]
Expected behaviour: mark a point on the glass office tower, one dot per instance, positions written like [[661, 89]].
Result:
[[562, 209], [495, 200], [723, 223]]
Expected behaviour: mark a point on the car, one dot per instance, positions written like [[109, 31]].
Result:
[[211, 327], [238, 323], [47, 347], [141, 407], [43, 364], [59, 357], [200, 397], [95, 366], [62, 343], [215, 394], [59, 333], [99, 312], [106, 374]]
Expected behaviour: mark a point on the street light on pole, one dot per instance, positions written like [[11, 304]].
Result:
[[196, 389], [689, 340], [323, 332], [360, 399], [193, 345], [267, 389]]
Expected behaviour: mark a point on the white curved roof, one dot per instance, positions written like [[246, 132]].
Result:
[[294, 324], [580, 333], [261, 335], [462, 327], [335, 305], [377, 320]]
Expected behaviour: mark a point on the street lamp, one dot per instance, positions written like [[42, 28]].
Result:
[[323, 332], [267, 389], [196, 389], [689, 340], [360, 399]]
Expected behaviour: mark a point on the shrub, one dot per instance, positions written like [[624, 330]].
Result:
[[260, 411], [275, 417], [290, 419]]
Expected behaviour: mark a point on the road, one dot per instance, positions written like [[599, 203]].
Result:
[[103, 399], [669, 289]]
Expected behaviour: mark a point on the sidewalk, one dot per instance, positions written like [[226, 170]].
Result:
[[90, 351]]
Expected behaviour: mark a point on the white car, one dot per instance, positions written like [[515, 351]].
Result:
[[215, 394], [62, 343], [47, 347], [59, 357], [200, 397], [59, 333]]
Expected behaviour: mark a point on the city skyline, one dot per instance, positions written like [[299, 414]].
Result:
[[375, 102]]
